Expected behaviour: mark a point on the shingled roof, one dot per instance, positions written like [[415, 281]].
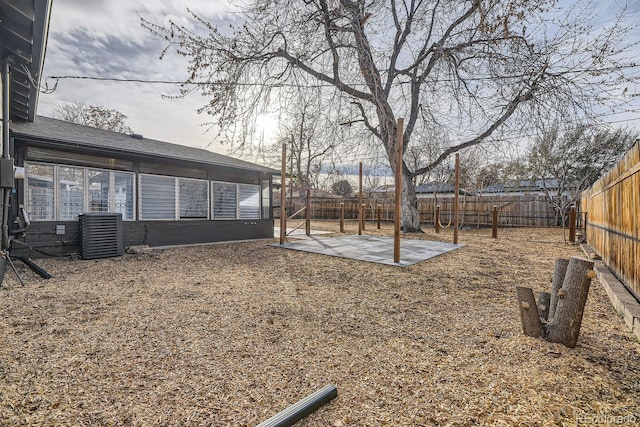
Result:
[[62, 132]]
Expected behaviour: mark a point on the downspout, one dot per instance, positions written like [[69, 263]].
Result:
[[4, 256], [6, 153]]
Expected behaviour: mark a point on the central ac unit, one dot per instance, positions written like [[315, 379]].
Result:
[[100, 235]]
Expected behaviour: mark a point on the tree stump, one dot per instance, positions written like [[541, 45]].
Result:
[[531, 324], [559, 272], [557, 316], [564, 327]]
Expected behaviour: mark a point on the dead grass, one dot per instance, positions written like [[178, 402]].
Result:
[[230, 334]]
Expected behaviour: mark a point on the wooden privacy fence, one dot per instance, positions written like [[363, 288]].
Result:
[[475, 211], [612, 210]]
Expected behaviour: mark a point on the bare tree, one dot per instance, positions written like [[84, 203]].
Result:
[[342, 188], [470, 67], [568, 161], [96, 116], [308, 138]]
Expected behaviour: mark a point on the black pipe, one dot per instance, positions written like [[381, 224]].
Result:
[[5, 151], [33, 266], [302, 408], [5, 108]]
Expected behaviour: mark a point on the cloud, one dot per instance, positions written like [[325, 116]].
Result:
[[99, 38], [101, 19]]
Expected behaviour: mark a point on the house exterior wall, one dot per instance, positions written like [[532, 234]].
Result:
[[42, 238], [48, 237]]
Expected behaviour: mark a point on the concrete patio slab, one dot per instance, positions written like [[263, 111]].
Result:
[[376, 249]]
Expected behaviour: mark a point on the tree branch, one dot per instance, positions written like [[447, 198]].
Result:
[[508, 112]]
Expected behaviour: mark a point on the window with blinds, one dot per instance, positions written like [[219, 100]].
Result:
[[225, 200], [194, 198], [61, 193], [235, 201], [157, 197], [249, 201]]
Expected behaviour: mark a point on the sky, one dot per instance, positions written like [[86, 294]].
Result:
[[98, 38]]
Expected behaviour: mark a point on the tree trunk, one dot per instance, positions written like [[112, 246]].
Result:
[[559, 272], [410, 222], [564, 327], [531, 324], [544, 300], [410, 212]]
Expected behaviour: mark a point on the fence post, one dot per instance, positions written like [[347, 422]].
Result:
[[379, 213], [308, 209], [494, 231], [342, 217], [437, 221], [572, 224], [364, 216]]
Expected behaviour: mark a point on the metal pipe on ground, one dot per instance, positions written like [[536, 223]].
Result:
[[302, 408]]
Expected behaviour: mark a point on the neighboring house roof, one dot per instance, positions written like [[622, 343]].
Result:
[[523, 186], [435, 187], [48, 129], [23, 38], [438, 187]]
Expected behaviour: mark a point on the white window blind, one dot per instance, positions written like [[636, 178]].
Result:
[[157, 197], [225, 201], [249, 196]]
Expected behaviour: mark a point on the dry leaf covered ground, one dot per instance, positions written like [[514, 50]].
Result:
[[230, 334]]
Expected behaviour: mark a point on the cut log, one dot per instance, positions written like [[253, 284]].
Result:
[[559, 272], [564, 327], [531, 324], [544, 300]]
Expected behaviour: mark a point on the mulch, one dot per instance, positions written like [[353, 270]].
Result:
[[230, 334]]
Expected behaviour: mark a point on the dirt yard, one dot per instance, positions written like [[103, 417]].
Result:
[[230, 334]]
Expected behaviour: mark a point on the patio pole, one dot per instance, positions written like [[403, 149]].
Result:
[[494, 222], [283, 197], [398, 185], [360, 202], [308, 218], [456, 199], [572, 224]]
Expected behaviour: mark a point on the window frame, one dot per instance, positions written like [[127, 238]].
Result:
[[179, 195], [86, 202], [237, 186]]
